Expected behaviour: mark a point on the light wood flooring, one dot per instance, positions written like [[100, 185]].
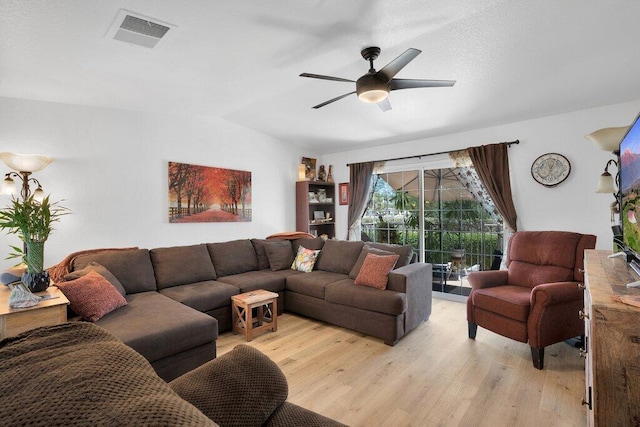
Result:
[[435, 376]]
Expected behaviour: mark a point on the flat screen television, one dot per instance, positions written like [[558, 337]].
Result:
[[629, 168]]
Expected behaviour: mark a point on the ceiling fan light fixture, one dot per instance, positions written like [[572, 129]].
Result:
[[373, 96], [371, 90]]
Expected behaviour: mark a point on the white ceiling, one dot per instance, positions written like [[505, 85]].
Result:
[[240, 60]]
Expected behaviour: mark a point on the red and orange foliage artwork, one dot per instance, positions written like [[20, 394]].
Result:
[[207, 194]]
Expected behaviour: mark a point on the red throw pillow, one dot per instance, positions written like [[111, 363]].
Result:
[[91, 296], [375, 270]]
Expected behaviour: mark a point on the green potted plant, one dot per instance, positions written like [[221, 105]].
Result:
[[32, 221]]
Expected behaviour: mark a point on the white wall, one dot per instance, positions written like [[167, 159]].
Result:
[[571, 206], [110, 168]]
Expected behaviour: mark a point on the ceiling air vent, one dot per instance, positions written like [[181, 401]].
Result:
[[140, 30]]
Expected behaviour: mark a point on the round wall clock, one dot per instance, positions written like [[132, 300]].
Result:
[[550, 169]]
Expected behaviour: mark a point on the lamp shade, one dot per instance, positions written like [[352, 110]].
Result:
[[608, 139], [38, 195], [8, 187], [605, 185], [25, 162]]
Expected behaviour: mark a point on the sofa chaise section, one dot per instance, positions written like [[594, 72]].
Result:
[[173, 337]]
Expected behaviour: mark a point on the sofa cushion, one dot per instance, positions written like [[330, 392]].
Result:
[[314, 244], [305, 259], [234, 257], [101, 270], [513, 302], [179, 265], [157, 326], [261, 255], [405, 251], [253, 280], [312, 284], [279, 254], [363, 254], [375, 270], [92, 296], [132, 268], [339, 256], [345, 292], [202, 296]]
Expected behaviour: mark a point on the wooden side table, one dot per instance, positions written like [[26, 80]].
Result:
[[14, 321], [266, 305]]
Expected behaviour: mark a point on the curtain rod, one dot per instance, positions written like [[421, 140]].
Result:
[[419, 156]]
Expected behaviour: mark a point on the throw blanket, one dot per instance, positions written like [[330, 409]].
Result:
[[291, 235], [78, 374]]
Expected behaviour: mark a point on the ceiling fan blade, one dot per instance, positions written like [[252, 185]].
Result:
[[385, 105], [396, 84], [320, 76], [393, 67], [338, 98]]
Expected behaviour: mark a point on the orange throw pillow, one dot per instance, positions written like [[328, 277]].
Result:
[[375, 270], [91, 296]]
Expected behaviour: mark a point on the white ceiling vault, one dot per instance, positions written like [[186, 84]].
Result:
[[241, 60]]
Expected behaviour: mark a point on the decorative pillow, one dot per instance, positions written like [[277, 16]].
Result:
[[375, 270], [279, 254], [91, 296], [305, 259], [101, 270], [366, 250]]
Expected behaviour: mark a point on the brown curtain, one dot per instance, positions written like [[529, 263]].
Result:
[[359, 182], [491, 163]]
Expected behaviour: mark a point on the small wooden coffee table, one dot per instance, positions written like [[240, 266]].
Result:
[[266, 305]]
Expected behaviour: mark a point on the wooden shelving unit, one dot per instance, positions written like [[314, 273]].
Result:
[[315, 207]]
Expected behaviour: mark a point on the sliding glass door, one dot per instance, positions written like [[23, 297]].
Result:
[[436, 212]]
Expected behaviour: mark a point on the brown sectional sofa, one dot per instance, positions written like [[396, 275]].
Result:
[[179, 298]]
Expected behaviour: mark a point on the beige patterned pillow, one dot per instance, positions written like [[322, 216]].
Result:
[[305, 259]]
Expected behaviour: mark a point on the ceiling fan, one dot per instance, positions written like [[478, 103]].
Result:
[[374, 87]]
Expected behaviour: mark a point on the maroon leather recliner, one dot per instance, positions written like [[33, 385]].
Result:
[[537, 299]]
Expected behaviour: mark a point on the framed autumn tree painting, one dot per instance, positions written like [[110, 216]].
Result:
[[208, 194]]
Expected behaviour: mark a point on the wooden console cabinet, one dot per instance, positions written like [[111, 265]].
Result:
[[612, 345], [323, 202]]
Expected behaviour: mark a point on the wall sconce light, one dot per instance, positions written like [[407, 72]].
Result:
[[24, 165], [608, 184]]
